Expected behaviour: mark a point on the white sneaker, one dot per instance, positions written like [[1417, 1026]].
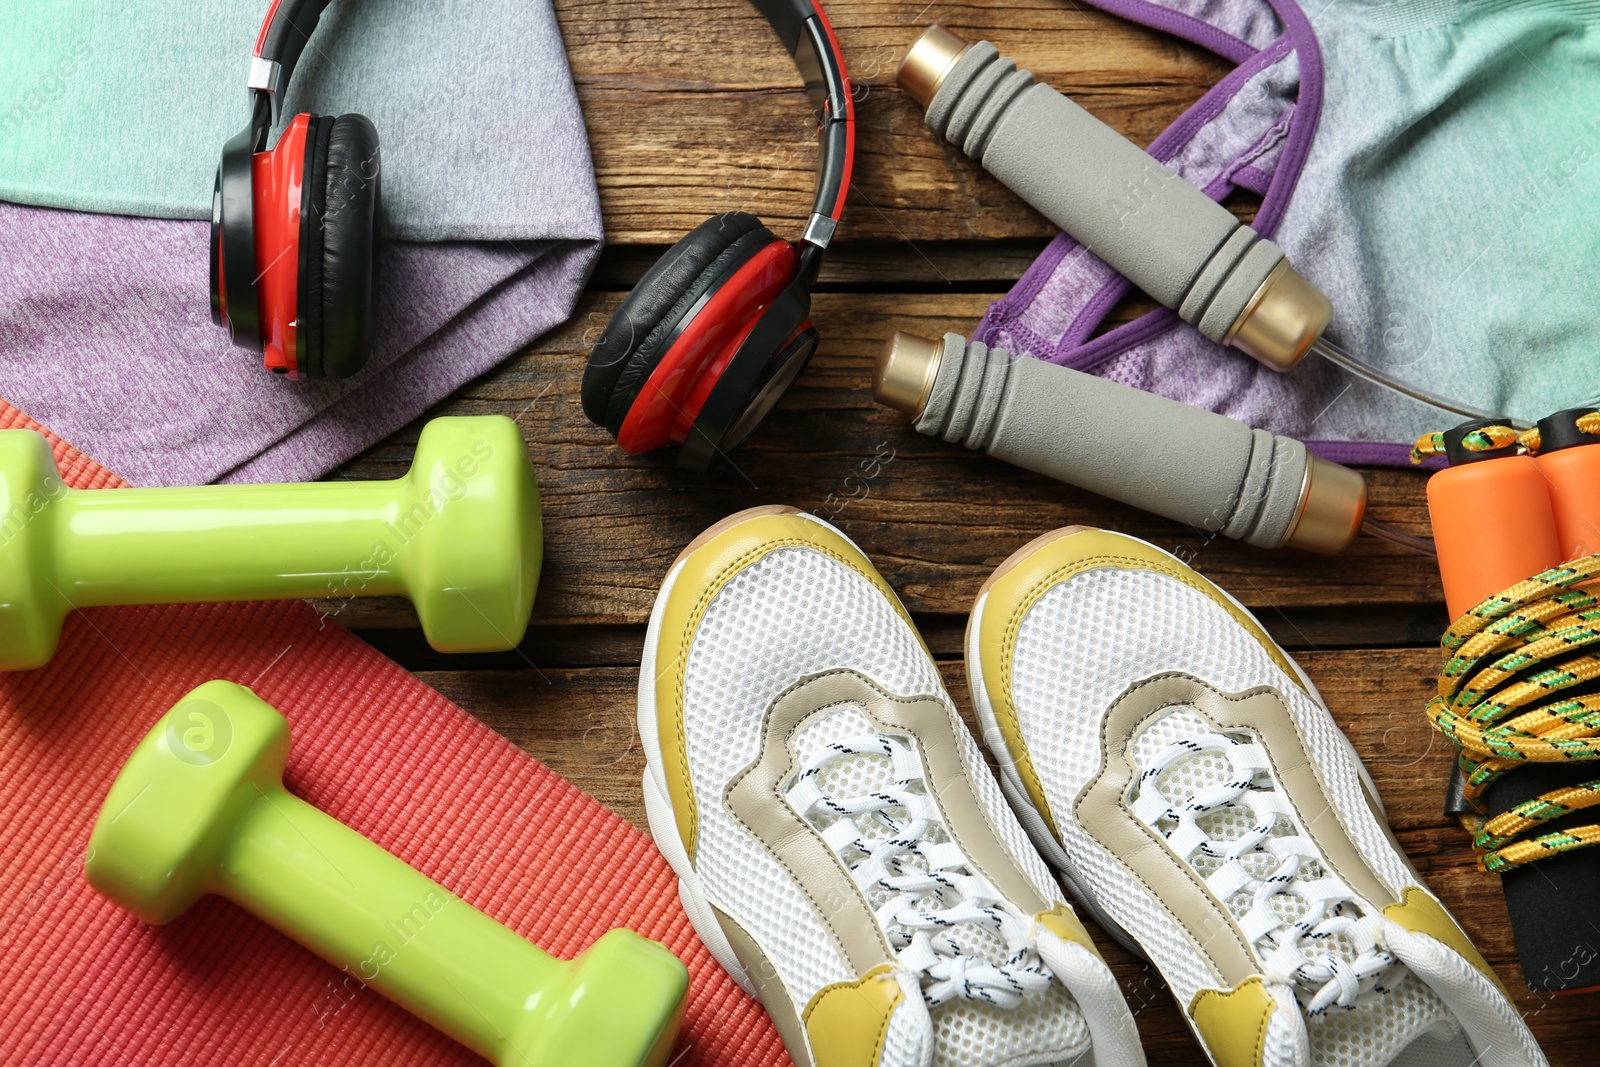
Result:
[[840, 845], [1185, 777]]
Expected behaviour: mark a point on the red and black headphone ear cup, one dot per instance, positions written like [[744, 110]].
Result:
[[642, 328], [234, 301], [338, 233]]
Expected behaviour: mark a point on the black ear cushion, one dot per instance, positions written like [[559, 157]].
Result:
[[634, 339], [313, 194], [647, 355], [338, 230]]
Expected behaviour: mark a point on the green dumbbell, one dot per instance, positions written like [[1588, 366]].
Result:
[[459, 534], [200, 808]]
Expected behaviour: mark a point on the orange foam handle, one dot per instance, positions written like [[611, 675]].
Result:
[[1493, 525], [1573, 477]]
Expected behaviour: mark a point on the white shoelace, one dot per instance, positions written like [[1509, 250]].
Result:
[[1303, 951], [932, 892]]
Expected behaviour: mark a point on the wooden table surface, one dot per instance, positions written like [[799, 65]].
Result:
[[690, 119]]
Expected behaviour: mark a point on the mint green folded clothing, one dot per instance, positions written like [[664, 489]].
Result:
[[122, 107], [1433, 166], [1453, 202]]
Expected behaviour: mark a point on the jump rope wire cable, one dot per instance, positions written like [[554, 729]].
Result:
[[1422, 546], [1331, 352]]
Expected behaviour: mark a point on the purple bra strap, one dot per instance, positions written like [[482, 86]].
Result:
[[1006, 321]]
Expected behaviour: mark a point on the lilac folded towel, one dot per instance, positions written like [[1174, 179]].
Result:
[[106, 338]]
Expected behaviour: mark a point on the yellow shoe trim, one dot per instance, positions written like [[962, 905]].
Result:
[[1420, 913], [847, 1022], [1061, 921], [1233, 1026], [708, 564]]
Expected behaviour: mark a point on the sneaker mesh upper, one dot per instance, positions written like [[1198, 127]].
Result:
[[1080, 646], [1375, 1032], [1381, 1023], [793, 613]]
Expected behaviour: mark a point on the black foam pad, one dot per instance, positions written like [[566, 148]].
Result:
[[637, 335], [338, 231], [1557, 949]]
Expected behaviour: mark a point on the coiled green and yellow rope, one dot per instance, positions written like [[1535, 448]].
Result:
[[1498, 435], [1512, 692]]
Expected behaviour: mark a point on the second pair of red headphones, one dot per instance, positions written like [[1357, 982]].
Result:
[[293, 228], [719, 327]]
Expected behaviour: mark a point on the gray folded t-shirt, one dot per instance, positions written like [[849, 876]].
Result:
[[122, 107]]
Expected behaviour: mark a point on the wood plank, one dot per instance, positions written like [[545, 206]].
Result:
[[389, 624], [936, 519], [944, 266], [691, 117], [581, 723]]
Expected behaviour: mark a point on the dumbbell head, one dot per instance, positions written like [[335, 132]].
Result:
[[172, 811], [30, 609], [625, 1006], [470, 533]]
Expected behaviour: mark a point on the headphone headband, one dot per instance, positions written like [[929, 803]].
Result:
[[799, 24], [808, 36], [283, 37]]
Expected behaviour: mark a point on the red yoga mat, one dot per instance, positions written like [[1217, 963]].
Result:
[[86, 983]]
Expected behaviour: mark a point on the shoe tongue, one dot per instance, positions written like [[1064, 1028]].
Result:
[[1400, 1010], [858, 774], [1408, 1018]]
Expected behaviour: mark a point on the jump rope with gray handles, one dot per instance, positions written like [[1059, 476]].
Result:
[[1185, 250], [1515, 515]]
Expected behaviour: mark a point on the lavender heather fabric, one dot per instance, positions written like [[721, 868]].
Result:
[[106, 338], [1433, 178]]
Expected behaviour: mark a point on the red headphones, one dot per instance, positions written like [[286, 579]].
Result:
[[293, 227], [719, 327]]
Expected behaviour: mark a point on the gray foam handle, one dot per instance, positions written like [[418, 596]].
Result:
[[1193, 466], [1158, 231]]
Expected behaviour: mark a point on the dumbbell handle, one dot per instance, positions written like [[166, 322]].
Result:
[[1195, 466], [1160, 232], [228, 542], [389, 926]]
